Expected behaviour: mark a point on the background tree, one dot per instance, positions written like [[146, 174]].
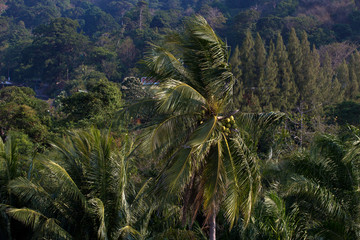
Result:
[[56, 50], [21, 111], [95, 103], [235, 63], [288, 89], [269, 89]]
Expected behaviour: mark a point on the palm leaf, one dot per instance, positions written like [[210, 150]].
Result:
[[68, 185], [308, 190], [214, 176], [243, 190], [176, 96], [31, 193], [9, 158], [171, 132], [162, 64], [203, 132], [98, 207], [178, 173], [37, 221]]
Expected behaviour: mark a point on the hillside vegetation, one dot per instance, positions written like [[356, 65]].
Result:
[[179, 119]]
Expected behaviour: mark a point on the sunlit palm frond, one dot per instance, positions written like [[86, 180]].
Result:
[[244, 181], [176, 96], [72, 159], [127, 232], [99, 211], [162, 65], [202, 38], [99, 169], [209, 66]]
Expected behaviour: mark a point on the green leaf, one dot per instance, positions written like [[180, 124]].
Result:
[[203, 132], [179, 171]]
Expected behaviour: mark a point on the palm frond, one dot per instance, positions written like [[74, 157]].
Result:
[[98, 207], [9, 158], [176, 96], [209, 66], [127, 232], [277, 222], [162, 65], [203, 132], [214, 176], [30, 193], [259, 121], [68, 185], [244, 181], [178, 173], [307, 190], [144, 107], [39, 222], [329, 146], [172, 131]]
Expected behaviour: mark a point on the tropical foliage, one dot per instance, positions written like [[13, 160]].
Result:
[[85, 192], [196, 153]]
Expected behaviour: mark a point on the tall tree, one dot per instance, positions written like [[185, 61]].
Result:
[[356, 64], [247, 57], [235, 63], [310, 69], [288, 90], [342, 74], [353, 89], [296, 58], [325, 80], [260, 60], [141, 6], [269, 91], [206, 161]]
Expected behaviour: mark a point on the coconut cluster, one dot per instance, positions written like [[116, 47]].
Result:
[[228, 125]]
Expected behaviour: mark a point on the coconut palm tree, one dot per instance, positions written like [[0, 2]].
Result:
[[9, 169], [84, 193], [210, 158], [324, 186]]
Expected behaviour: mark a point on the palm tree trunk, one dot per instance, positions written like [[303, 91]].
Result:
[[212, 223], [8, 227]]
